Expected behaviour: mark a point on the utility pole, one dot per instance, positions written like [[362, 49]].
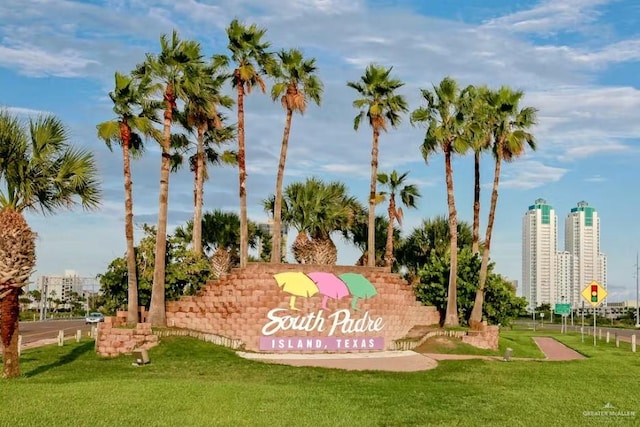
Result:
[[637, 291]]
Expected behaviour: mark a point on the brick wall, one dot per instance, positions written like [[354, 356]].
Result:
[[114, 338], [236, 306], [486, 338]]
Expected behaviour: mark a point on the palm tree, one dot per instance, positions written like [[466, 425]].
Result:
[[201, 112], [252, 61], [445, 122], [382, 106], [221, 238], [39, 172], [296, 84], [316, 209], [132, 120], [358, 235], [480, 138], [409, 194], [510, 138], [176, 68], [433, 235]]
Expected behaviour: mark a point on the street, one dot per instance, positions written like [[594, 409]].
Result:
[[48, 329], [624, 334]]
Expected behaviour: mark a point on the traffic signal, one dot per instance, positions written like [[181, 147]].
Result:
[[594, 293]]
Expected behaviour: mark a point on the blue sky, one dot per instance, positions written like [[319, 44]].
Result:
[[576, 60]]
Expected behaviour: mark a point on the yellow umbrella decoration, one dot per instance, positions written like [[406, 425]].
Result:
[[297, 284]]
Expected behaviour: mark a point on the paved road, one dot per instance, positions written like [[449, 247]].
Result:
[[624, 334], [36, 331]]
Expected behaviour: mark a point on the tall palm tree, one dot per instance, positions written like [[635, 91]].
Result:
[[409, 193], [480, 137], [39, 172], [176, 69], [133, 120], [510, 139], [445, 122], [380, 104], [296, 84], [201, 112], [252, 61]]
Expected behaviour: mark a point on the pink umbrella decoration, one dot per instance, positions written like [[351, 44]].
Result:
[[329, 285]]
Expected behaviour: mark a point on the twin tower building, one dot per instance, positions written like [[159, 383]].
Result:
[[550, 276]]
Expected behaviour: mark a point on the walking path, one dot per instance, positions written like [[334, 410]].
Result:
[[555, 350], [396, 361], [402, 361]]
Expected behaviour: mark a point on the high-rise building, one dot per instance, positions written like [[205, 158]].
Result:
[[582, 241], [539, 254], [549, 276]]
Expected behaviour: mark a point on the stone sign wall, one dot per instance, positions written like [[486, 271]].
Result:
[[304, 308]]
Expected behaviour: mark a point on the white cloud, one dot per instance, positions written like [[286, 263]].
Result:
[[550, 16], [528, 174], [35, 62], [580, 121], [596, 178]]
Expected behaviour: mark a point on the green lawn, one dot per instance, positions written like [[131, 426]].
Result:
[[195, 383], [520, 342]]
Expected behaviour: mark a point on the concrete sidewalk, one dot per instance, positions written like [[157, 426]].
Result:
[[394, 361], [403, 361]]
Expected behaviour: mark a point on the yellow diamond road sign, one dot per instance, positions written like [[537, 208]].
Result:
[[594, 294]]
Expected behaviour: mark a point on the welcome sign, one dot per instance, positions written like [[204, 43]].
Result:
[[341, 330]]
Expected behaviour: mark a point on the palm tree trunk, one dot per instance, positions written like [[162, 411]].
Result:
[[132, 273], [10, 308], [451, 315], [276, 255], [476, 313], [476, 204], [388, 254], [242, 172], [199, 191], [371, 229], [157, 309]]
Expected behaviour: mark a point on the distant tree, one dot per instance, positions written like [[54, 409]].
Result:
[[185, 272]]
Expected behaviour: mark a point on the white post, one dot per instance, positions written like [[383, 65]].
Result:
[[78, 335], [633, 343], [607, 337], [19, 345], [594, 326], [60, 338]]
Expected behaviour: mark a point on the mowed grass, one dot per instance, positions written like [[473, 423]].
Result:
[[192, 383], [520, 342]]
